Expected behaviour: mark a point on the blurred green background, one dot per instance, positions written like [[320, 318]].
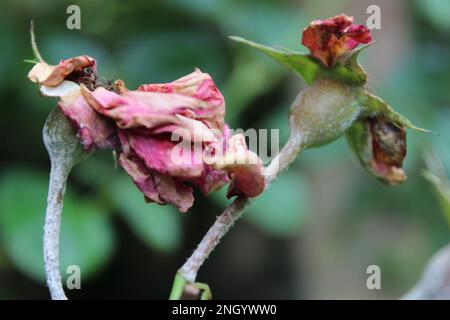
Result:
[[316, 230]]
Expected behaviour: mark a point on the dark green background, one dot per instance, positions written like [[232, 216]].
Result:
[[312, 235]]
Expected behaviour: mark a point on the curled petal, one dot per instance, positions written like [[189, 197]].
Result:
[[159, 153], [329, 39], [52, 76], [338, 23], [92, 129], [197, 85], [359, 33], [211, 180], [152, 110], [244, 167], [156, 187], [381, 147], [389, 150], [60, 90]]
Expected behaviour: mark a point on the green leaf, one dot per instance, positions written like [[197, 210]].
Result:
[[158, 226], [301, 63], [86, 233], [351, 72]]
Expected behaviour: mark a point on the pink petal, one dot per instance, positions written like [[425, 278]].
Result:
[[359, 33], [158, 153], [198, 85], [51, 76], [211, 180], [328, 39], [244, 167], [155, 186], [92, 129]]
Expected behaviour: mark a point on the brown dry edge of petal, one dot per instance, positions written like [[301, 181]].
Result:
[[389, 149]]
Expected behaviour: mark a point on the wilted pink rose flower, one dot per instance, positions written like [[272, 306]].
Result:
[[63, 81], [331, 38], [143, 126], [148, 119]]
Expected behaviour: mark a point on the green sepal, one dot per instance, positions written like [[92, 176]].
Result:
[[301, 63], [357, 137], [374, 105], [179, 283], [309, 69]]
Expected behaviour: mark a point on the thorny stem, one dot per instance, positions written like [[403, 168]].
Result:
[[235, 210]]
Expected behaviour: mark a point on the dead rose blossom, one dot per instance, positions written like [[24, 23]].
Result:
[[140, 124], [331, 38]]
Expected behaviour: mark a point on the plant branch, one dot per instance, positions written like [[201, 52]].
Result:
[[56, 190], [435, 281], [64, 151], [235, 210]]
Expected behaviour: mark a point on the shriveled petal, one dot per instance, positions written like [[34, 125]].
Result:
[[155, 186], [151, 110], [200, 86], [197, 84], [381, 147], [92, 129], [339, 23], [389, 150], [329, 39], [51, 76], [40, 72], [161, 154], [60, 90], [211, 180], [244, 167], [355, 35]]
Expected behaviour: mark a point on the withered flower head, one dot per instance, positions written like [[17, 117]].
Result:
[[331, 38], [381, 147], [140, 125]]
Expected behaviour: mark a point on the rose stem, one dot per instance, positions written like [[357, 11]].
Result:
[[235, 210], [56, 190]]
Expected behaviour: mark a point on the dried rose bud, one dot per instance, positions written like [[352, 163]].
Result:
[[337, 100], [329, 39], [380, 146]]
